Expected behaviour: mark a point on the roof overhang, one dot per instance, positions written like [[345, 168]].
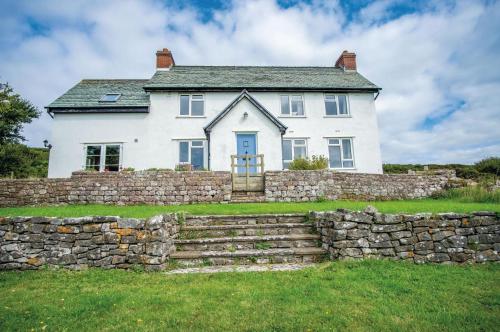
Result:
[[245, 95], [78, 110]]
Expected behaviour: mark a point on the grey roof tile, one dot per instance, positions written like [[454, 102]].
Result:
[[247, 77], [87, 93]]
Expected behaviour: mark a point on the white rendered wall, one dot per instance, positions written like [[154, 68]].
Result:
[[159, 131]]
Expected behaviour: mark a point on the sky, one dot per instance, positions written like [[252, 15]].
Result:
[[438, 62]]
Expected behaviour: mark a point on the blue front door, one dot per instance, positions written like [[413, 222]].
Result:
[[246, 144]]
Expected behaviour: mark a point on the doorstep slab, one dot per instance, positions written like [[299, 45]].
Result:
[[241, 268]]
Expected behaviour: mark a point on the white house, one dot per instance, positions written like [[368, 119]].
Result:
[[201, 115]]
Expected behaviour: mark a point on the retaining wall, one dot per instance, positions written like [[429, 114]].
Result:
[[298, 186], [76, 243], [169, 187], [436, 238]]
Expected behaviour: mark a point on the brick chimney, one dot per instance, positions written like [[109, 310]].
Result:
[[346, 61], [164, 59]]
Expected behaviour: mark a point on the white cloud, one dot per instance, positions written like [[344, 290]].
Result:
[[445, 55]]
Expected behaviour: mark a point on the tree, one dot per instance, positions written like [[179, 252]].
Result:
[[489, 165], [14, 113], [20, 161]]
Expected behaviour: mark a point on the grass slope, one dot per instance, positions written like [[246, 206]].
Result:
[[141, 211], [351, 296]]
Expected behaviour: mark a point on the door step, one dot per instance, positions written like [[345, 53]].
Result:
[[242, 268], [252, 219], [193, 232]]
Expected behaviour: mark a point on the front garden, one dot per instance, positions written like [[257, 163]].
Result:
[[350, 296]]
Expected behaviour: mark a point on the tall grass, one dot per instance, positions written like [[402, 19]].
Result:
[[473, 194]]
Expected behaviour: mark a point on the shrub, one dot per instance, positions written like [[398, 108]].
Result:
[[472, 194], [316, 162], [489, 165], [128, 169]]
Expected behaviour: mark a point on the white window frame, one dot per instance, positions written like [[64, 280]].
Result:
[[293, 139], [103, 100], [342, 159], [102, 156], [190, 111], [347, 115], [290, 115], [190, 146]]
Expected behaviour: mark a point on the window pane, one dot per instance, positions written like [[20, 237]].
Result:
[[197, 143], [184, 105], [197, 97], [287, 149], [346, 148], [297, 105], [334, 156], [348, 163], [112, 160], [333, 141], [197, 158], [286, 164], [285, 107], [342, 104], [110, 97], [112, 150], [331, 107], [299, 152], [183, 152], [300, 142], [197, 107], [93, 158]]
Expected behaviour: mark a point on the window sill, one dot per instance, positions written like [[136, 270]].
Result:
[[292, 116], [190, 116], [343, 169], [337, 116]]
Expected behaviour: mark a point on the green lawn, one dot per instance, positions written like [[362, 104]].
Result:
[[140, 211], [351, 296]]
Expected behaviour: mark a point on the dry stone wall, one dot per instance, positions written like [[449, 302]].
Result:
[[441, 238], [76, 243], [34, 191], [295, 186]]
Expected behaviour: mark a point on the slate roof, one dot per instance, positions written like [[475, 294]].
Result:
[[259, 78], [87, 93]]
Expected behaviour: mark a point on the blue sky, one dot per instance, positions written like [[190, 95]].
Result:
[[437, 61]]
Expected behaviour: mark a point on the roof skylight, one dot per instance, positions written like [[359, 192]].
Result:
[[110, 97]]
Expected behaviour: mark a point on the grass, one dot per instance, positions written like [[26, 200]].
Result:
[[472, 194], [141, 211], [350, 296]]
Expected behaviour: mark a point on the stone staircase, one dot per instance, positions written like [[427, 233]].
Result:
[[248, 197], [247, 239]]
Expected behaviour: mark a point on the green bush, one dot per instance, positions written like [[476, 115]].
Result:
[[472, 194], [316, 162], [21, 161], [489, 165], [128, 169]]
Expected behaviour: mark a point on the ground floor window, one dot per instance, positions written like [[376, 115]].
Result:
[[193, 153], [103, 157], [293, 149], [340, 153]]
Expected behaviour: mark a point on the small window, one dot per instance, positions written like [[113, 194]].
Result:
[[192, 105], [336, 105], [340, 153], [110, 97], [292, 105], [192, 152], [103, 157], [293, 149]]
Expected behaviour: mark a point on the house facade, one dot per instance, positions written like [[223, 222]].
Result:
[[202, 115]]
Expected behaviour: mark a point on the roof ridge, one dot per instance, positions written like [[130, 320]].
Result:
[[114, 80], [251, 66]]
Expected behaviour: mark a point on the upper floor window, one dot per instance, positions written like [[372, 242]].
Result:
[[292, 105], [293, 149], [192, 105], [336, 105], [110, 97], [103, 157], [193, 153], [340, 153]]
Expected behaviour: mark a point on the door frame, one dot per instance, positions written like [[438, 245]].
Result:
[[254, 133]]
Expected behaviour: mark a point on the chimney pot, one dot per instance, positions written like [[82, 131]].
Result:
[[164, 59], [346, 61]]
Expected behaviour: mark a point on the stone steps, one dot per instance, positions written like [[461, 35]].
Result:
[[247, 239], [244, 219], [249, 242], [247, 197], [245, 257], [210, 231]]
